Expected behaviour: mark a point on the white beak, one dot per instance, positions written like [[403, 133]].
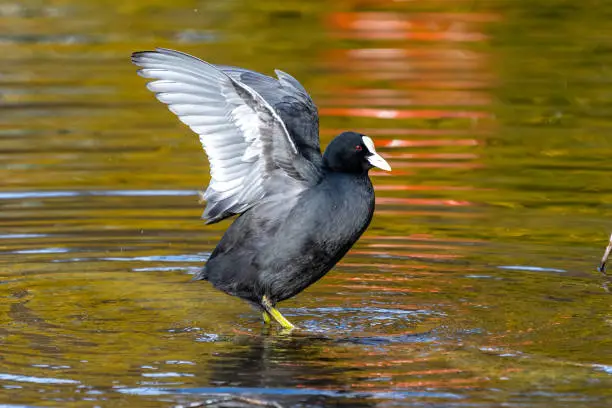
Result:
[[375, 159]]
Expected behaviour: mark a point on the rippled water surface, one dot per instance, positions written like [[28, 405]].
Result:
[[474, 286]]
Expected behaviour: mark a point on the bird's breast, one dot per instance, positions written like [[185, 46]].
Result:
[[330, 219], [322, 226]]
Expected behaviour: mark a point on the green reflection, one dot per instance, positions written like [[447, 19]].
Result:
[[475, 283]]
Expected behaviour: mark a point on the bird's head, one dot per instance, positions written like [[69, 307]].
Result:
[[352, 152]]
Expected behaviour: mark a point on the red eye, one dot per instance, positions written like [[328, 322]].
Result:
[[358, 148]]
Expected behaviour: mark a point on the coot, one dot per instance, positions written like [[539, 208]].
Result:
[[298, 211]]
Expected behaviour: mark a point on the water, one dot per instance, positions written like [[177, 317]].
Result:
[[474, 286]]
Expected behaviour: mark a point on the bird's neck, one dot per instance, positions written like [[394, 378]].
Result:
[[357, 170]]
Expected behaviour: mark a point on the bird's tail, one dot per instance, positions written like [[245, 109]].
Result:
[[202, 274]]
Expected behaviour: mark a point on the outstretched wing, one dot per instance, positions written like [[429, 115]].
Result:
[[292, 103], [251, 153]]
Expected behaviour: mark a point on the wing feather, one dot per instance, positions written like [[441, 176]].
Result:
[[291, 102], [250, 150]]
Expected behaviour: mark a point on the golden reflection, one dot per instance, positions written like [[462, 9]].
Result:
[[467, 100]]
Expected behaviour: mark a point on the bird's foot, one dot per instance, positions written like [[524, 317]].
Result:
[[266, 317], [272, 311]]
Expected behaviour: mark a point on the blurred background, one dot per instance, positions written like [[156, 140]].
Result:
[[474, 286]]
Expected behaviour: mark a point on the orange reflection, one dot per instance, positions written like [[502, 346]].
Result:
[[422, 188], [427, 108], [419, 201], [404, 26], [401, 114]]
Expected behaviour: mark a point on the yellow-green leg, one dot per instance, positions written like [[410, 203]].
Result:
[[266, 317], [272, 311]]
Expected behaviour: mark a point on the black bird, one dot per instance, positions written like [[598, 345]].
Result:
[[299, 211]]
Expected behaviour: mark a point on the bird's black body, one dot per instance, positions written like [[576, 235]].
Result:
[[299, 212], [284, 245]]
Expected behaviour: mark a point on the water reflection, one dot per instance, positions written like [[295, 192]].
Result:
[[474, 285], [277, 366]]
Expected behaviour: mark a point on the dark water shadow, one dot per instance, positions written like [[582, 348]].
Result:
[[294, 369]]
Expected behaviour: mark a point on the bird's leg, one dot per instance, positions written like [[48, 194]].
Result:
[[272, 311], [266, 317], [602, 266]]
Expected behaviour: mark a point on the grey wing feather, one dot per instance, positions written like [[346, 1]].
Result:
[[250, 150], [292, 103], [290, 82]]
